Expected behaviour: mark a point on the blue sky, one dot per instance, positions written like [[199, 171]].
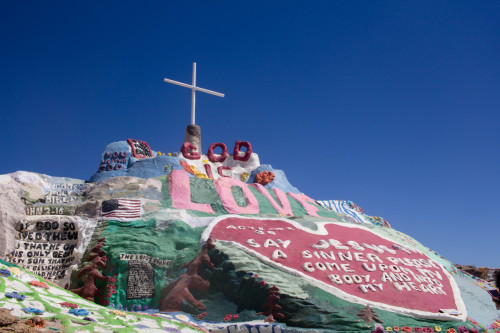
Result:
[[391, 104]]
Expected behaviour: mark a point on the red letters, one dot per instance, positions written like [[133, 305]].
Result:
[[208, 169], [211, 155], [189, 151], [221, 169], [237, 148]]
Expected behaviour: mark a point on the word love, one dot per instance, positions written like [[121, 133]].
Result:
[[349, 261], [180, 192]]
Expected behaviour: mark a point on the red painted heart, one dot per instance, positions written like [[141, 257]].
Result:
[[349, 261]]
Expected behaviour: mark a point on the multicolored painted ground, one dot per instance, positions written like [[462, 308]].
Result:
[[218, 242]]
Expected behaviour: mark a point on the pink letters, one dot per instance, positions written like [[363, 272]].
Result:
[[285, 208], [304, 200], [180, 191], [223, 186]]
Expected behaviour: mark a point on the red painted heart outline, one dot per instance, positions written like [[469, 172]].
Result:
[[423, 304]]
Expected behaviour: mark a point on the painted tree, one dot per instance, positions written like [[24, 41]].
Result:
[[369, 315], [179, 291], [271, 307], [98, 259]]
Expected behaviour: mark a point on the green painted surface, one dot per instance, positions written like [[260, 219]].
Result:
[[167, 234]]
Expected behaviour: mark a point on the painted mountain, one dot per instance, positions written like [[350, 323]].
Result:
[[184, 242]]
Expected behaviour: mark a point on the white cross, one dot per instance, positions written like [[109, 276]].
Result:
[[193, 88]]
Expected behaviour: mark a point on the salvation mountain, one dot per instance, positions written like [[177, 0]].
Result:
[[217, 242]]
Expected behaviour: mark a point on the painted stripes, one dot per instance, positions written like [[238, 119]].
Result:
[[342, 207]]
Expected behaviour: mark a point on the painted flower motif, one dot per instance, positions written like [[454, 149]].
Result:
[[427, 330], [169, 154], [463, 329], [406, 329], [236, 316], [201, 315], [39, 284], [118, 313], [79, 312], [16, 295], [262, 283], [69, 305], [451, 330], [264, 177], [33, 310], [5, 273], [388, 329], [396, 328], [14, 270], [36, 322], [419, 329], [437, 328], [228, 317]]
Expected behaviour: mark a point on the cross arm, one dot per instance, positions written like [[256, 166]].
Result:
[[193, 87]]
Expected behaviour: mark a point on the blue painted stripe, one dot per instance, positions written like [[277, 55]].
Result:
[[342, 207]]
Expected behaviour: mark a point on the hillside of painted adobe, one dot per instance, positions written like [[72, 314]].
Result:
[[229, 244]]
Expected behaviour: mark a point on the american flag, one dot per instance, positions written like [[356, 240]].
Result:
[[121, 209]]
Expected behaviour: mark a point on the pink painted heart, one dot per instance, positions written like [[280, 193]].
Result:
[[349, 261]]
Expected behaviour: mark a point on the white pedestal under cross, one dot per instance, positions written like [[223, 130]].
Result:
[[193, 88]]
